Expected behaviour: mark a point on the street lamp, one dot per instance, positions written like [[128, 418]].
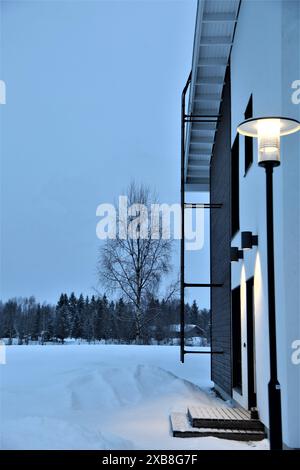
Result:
[[268, 131]]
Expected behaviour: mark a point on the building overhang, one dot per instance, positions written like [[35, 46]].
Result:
[[214, 33]]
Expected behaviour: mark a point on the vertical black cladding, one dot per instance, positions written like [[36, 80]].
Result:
[[251, 360], [235, 186], [236, 340], [220, 225]]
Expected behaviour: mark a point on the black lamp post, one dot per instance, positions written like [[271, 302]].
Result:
[[268, 130]]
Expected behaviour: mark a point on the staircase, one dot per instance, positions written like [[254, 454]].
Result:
[[225, 423]]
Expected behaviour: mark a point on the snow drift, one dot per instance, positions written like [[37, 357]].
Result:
[[100, 397]]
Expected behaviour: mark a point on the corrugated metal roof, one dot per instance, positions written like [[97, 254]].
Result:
[[215, 25]]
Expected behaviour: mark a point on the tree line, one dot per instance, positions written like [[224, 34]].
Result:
[[96, 318]]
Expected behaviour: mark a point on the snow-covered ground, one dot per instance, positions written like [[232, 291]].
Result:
[[102, 397]]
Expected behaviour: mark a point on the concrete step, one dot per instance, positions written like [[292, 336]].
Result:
[[223, 418], [181, 427]]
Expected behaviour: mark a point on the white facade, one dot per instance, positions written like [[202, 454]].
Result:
[[265, 61]]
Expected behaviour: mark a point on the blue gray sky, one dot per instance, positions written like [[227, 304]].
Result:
[[93, 100]]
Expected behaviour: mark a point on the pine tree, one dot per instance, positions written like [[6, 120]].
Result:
[[9, 314], [205, 322], [62, 318], [47, 328], [194, 313], [119, 320], [77, 327], [98, 319], [95, 319], [93, 313], [162, 327], [72, 312], [61, 323], [36, 322], [106, 319], [87, 321]]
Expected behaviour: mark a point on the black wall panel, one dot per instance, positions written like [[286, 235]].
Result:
[[220, 225]]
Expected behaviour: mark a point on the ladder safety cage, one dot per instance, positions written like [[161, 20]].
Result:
[[188, 118]]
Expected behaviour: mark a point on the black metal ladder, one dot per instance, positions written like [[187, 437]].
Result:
[[185, 118]]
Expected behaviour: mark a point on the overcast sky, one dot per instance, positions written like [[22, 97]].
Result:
[[93, 100]]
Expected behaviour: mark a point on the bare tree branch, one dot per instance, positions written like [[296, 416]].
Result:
[[135, 266]]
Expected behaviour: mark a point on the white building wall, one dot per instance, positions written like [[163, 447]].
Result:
[[265, 61], [289, 271]]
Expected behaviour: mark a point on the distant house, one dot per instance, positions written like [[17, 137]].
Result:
[[193, 334], [190, 331]]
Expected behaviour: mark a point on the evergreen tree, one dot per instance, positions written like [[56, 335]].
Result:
[[194, 313], [9, 318], [72, 312], [87, 321], [62, 318], [162, 330], [152, 318], [95, 319], [47, 330], [106, 320], [119, 321], [77, 329], [93, 315], [205, 322], [98, 319], [36, 322]]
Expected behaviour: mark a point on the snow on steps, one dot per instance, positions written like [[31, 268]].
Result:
[[223, 418], [204, 422]]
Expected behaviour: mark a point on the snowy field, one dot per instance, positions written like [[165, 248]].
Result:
[[102, 397]]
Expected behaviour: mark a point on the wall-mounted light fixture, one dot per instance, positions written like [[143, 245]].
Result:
[[268, 131], [248, 240], [236, 254]]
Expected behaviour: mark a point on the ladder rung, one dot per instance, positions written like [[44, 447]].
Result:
[[192, 284], [201, 120], [202, 205], [203, 352], [211, 116]]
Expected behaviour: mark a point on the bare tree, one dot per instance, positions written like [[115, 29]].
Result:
[[134, 265]]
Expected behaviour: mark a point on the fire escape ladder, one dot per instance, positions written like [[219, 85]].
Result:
[[190, 118]]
